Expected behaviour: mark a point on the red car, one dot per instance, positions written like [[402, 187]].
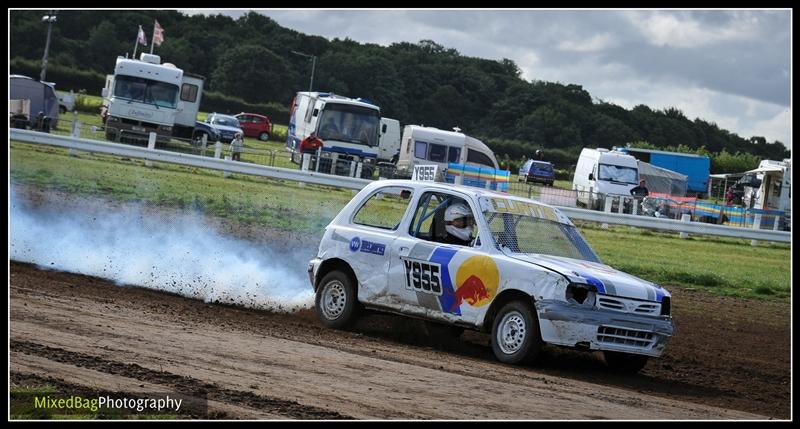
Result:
[[255, 125]]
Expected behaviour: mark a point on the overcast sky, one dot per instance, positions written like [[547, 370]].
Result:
[[731, 67]]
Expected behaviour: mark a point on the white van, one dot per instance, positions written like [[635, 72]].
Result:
[[428, 146], [389, 142], [601, 172]]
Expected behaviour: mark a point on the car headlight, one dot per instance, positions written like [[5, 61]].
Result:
[[580, 293]]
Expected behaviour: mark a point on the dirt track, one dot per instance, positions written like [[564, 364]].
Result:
[[729, 360]]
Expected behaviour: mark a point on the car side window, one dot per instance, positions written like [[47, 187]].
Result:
[[429, 222], [385, 208], [255, 119]]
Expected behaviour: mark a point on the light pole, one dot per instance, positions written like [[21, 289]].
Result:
[[313, 65], [50, 19]]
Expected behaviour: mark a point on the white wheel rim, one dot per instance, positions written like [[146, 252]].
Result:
[[511, 333], [334, 300]]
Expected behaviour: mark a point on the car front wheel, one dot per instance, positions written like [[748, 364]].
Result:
[[263, 136], [336, 300], [515, 334]]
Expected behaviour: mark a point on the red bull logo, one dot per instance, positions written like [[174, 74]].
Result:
[[477, 280]]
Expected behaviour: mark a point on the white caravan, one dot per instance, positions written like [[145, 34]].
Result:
[[428, 146]]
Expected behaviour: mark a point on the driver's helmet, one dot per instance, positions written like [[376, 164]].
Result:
[[459, 221]]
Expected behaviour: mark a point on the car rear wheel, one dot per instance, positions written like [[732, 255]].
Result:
[[625, 362], [515, 334], [263, 136], [336, 300]]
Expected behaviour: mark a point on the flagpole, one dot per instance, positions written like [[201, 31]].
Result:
[[153, 44], [135, 46]]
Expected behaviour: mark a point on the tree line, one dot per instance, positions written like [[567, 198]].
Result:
[[251, 59]]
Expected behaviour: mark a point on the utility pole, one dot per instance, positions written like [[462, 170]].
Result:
[[50, 19], [313, 66]]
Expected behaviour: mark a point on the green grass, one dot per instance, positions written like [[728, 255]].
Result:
[[724, 266], [246, 199]]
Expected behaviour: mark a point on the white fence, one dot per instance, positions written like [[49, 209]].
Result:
[[356, 183]]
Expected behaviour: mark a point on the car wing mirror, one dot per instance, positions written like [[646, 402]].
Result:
[[591, 176]]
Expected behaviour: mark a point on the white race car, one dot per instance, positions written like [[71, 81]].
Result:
[[523, 272]]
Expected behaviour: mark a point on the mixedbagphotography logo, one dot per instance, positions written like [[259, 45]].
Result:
[[45, 403]]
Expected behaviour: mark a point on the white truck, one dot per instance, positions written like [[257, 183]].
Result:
[[389, 145], [601, 173], [144, 96], [347, 127]]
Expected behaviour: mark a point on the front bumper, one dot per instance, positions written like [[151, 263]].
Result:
[[313, 267], [574, 325]]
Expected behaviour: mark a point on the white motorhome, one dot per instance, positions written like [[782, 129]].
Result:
[[427, 146], [774, 190], [600, 173], [347, 127], [390, 139], [144, 96]]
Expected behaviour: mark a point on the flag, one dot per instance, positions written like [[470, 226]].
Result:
[[158, 35], [141, 38]]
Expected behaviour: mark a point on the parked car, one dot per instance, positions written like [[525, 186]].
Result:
[[523, 273], [66, 101], [255, 125], [217, 127], [537, 171]]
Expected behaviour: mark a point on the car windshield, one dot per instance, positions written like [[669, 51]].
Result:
[[228, 121], [617, 173], [530, 228], [147, 91], [349, 123]]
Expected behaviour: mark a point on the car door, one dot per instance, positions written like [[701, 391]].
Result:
[[369, 235], [431, 278], [247, 126]]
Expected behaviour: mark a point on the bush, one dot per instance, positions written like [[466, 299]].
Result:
[[87, 104], [220, 103], [65, 78]]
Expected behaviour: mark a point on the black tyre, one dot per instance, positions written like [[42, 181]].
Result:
[[336, 300], [625, 362], [62, 110], [515, 334], [263, 136]]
